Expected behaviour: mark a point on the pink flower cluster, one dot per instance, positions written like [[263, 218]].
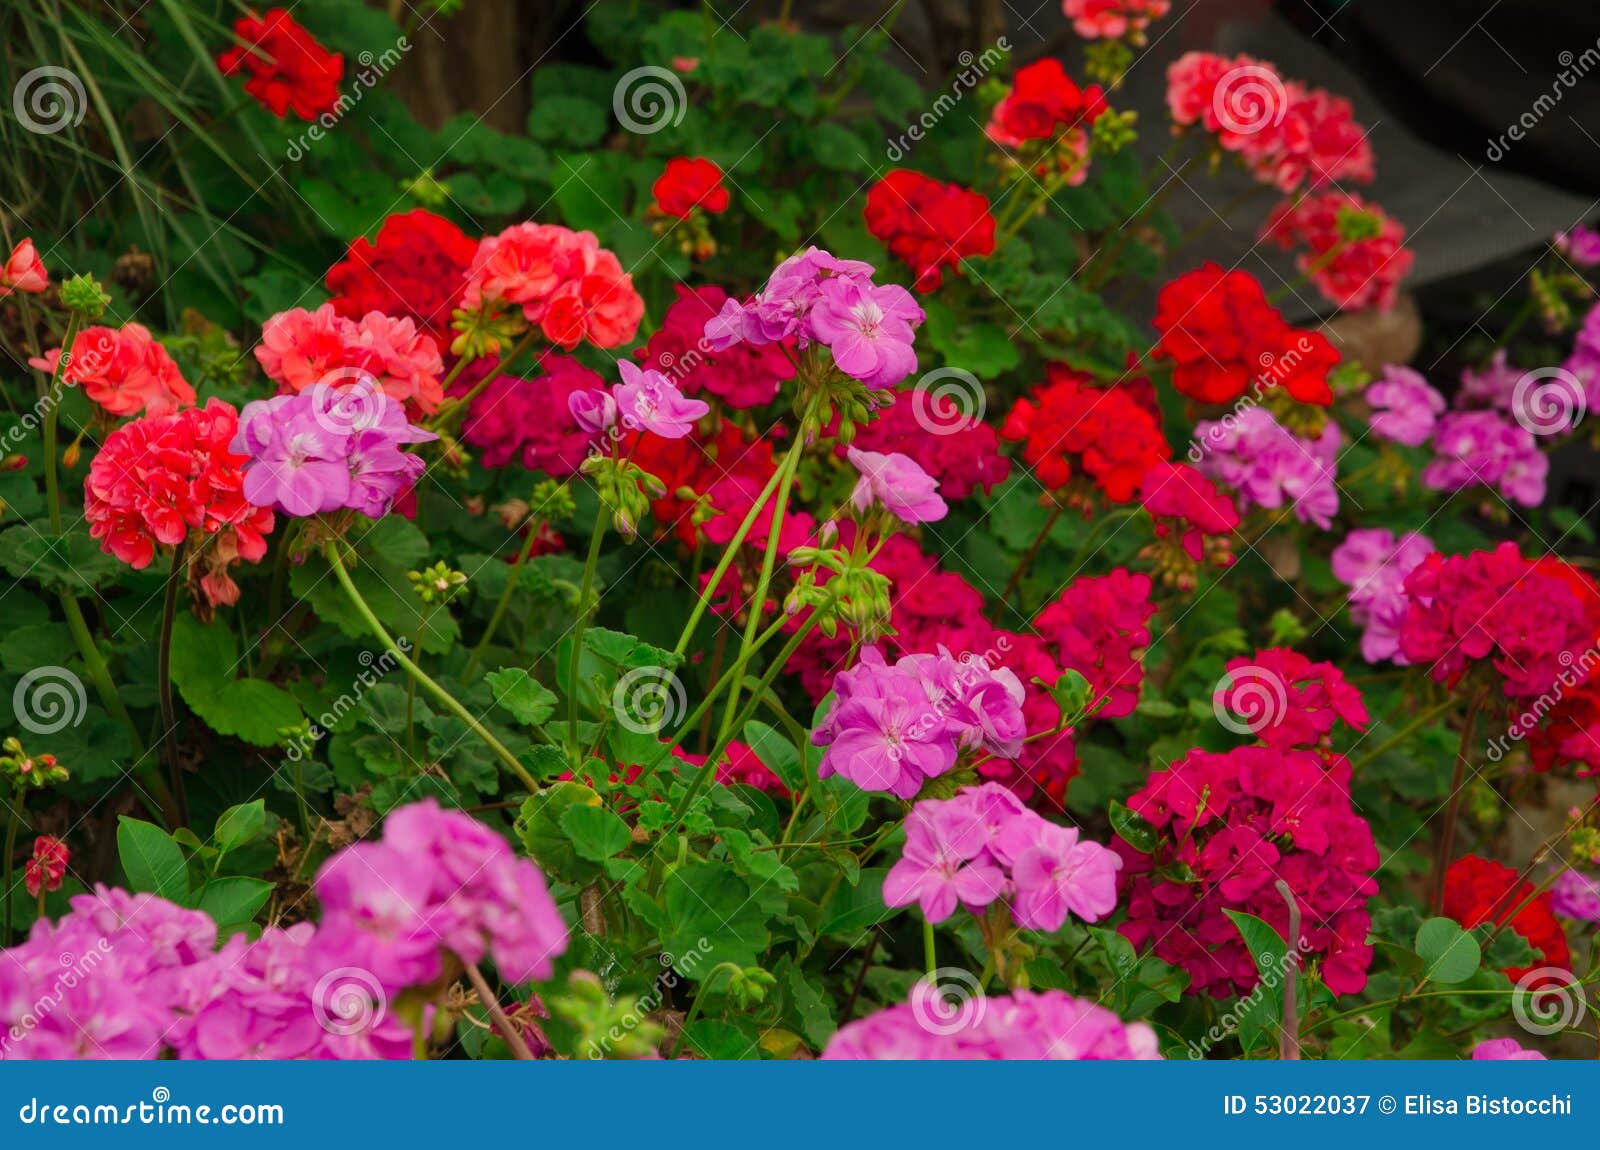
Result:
[[1099, 627], [743, 375], [962, 454], [1494, 606], [1473, 448], [1288, 135], [1286, 700], [896, 483], [124, 370], [814, 297], [1231, 825], [930, 608], [528, 420], [328, 449], [566, 284], [439, 890], [1405, 407], [1025, 1024], [300, 349], [894, 726], [1374, 564], [984, 845], [1576, 895], [1269, 466]]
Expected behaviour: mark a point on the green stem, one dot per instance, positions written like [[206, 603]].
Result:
[[791, 464], [444, 698], [505, 600], [930, 957], [169, 713], [578, 629], [726, 561], [411, 689], [1026, 561], [1447, 833], [149, 773], [52, 397], [452, 409], [1405, 733]]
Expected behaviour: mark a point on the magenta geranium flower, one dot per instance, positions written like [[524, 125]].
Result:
[[649, 401], [897, 482]]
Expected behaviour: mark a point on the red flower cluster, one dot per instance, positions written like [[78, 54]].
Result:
[[1112, 19], [1479, 890], [417, 270], [1042, 100], [1099, 627], [124, 370], [1189, 510], [928, 225], [742, 376], [47, 867], [963, 455], [687, 184], [159, 478], [1353, 250], [1067, 425], [721, 478], [1224, 339], [563, 281], [1286, 700], [528, 419], [1287, 134], [300, 349], [288, 69], [1233, 824], [1495, 606]]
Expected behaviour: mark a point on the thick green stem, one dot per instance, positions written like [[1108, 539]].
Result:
[[930, 955], [455, 408], [169, 713], [505, 600], [578, 628], [442, 696]]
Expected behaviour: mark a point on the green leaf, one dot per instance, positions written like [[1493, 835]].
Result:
[[709, 908], [239, 825], [777, 753], [569, 120], [1449, 954], [539, 824], [204, 658], [1260, 1011], [151, 860], [596, 832], [68, 562], [528, 700], [1132, 829], [233, 900]]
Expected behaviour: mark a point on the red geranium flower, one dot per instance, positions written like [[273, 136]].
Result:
[[1353, 250], [1104, 432], [416, 270], [1043, 97], [690, 183], [48, 866], [1478, 890], [288, 68], [927, 224], [1225, 338]]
